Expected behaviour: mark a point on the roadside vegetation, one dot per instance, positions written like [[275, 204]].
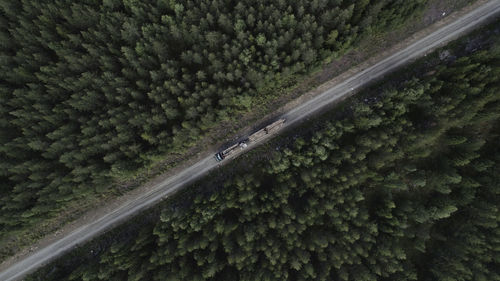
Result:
[[94, 90], [399, 183]]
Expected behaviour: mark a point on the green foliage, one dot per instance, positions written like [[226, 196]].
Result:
[[412, 196], [91, 90]]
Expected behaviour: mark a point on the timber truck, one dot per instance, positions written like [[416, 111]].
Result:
[[253, 138]]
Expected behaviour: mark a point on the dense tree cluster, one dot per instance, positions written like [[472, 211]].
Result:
[[404, 188], [90, 89]]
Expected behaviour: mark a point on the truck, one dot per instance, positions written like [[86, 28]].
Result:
[[253, 138]]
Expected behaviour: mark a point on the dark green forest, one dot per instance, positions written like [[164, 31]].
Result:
[[402, 183], [91, 90]]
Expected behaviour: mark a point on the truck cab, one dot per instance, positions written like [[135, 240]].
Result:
[[219, 157]]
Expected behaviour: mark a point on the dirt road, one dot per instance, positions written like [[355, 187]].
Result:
[[305, 110]]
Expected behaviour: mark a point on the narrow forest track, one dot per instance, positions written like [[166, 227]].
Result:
[[305, 110]]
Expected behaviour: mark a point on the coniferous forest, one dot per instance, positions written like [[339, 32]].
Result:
[[91, 90], [401, 184]]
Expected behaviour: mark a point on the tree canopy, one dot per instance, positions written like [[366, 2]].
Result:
[[93, 90], [402, 186]]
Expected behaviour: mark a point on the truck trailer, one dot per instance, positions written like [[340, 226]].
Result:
[[253, 138]]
